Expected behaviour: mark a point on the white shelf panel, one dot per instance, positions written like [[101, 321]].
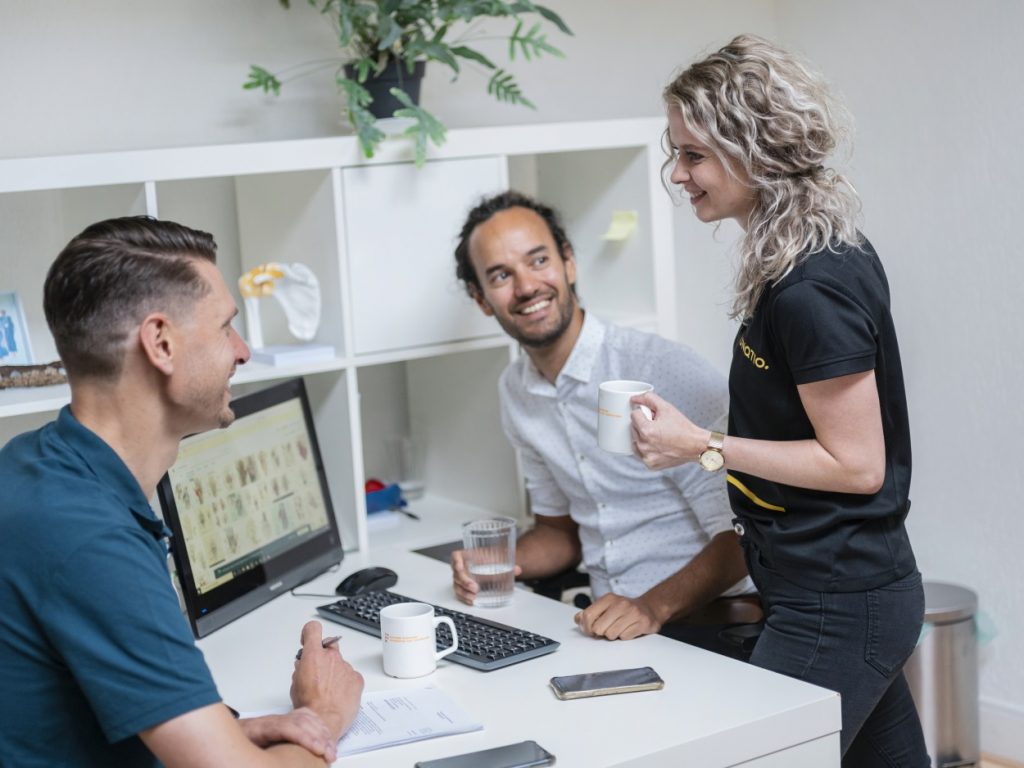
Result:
[[23, 400], [86, 170], [432, 350], [255, 372], [19, 401]]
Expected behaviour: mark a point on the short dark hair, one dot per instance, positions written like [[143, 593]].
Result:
[[109, 277], [484, 210]]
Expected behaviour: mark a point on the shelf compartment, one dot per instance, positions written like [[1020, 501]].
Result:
[[449, 405], [37, 225], [259, 218], [401, 225], [615, 279]]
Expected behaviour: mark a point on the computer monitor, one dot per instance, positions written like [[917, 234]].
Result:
[[249, 508]]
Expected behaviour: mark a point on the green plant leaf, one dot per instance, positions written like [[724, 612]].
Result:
[[262, 78], [370, 136], [554, 18], [503, 87], [389, 32], [468, 53], [431, 50], [532, 44], [355, 94], [427, 127], [513, 38], [357, 98], [522, 6], [363, 67], [346, 27]]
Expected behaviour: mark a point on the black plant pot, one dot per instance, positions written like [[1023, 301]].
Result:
[[395, 75]]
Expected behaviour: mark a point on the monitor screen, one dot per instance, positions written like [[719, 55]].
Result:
[[249, 508]]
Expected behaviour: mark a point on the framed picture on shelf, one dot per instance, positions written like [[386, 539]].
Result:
[[15, 347]]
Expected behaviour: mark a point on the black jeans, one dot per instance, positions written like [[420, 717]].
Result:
[[855, 643]]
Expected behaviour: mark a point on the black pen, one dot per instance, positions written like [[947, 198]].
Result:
[[406, 512], [327, 643]]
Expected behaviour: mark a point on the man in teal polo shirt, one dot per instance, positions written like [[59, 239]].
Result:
[[97, 664]]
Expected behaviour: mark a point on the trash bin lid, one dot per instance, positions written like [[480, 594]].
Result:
[[947, 603]]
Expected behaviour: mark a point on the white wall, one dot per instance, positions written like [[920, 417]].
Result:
[[110, 74], [935, 87]]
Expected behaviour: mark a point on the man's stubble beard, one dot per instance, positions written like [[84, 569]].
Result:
[[565, 313]]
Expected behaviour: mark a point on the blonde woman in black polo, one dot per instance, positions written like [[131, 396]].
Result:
[[818, 449]]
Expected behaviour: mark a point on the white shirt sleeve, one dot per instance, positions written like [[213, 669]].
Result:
[[546, 498], [696, 388]]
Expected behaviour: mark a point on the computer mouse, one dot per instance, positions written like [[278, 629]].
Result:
[[366, 580]]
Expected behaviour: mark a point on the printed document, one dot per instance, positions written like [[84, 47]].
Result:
[[388, 718]]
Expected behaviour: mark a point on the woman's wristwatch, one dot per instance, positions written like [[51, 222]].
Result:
[[712, 458]]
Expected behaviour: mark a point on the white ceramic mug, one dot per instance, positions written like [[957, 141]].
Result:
[[614, 432], [408, 632]]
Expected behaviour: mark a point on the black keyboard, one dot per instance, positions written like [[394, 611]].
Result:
[[483, 644]]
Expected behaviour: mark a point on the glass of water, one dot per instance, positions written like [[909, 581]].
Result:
[[490, 547]]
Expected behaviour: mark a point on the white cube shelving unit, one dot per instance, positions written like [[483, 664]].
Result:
[[413, 353]]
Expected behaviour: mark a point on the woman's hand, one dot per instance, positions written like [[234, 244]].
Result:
[[668, 438]]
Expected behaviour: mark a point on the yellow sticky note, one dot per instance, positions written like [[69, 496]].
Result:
[[622, 225]]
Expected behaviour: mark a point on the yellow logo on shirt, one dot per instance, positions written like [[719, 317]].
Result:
[[752, 356]]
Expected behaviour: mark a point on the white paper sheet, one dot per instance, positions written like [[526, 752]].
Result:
[[388, 718]]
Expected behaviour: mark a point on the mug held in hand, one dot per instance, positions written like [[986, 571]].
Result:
[[408, 632], [614, 431]]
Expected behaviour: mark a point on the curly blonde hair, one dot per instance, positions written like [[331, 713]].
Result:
[[757, 107]]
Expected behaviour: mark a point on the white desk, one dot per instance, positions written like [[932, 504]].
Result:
[[713, 711]]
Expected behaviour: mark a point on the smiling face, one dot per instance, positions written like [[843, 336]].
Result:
[[525, 283], [213, 349], [714, 193]]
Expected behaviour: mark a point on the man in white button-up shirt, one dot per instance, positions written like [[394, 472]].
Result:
[[658, 547]]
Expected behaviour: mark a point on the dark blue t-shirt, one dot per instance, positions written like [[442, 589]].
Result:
[[829, 317], [93, 645]]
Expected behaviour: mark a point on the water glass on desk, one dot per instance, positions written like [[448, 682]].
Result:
[[490, 551]]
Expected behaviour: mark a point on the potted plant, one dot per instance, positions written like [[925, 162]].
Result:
[[386, 43]]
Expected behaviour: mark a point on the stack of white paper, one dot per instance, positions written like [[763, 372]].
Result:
[[388, 718]]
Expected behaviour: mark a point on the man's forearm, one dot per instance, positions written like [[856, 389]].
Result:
[[293, 755], [545, 551], [715, 568]]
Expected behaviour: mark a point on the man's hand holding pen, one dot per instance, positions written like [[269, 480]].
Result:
[[324, 681], [327, 642]]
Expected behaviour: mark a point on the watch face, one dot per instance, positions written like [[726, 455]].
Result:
[[711, 460]]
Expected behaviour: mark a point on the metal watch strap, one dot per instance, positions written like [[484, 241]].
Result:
[[717, 442]]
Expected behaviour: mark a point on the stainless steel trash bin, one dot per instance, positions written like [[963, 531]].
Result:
[[943, 676]]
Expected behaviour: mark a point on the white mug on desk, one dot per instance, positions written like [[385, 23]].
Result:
[[614, 431], [408, 632]]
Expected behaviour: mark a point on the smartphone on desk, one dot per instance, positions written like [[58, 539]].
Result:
[[605, 683], [525, 754]]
